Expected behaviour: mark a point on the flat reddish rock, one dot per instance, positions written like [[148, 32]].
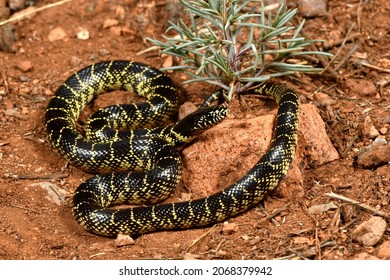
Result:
[[225, 153]]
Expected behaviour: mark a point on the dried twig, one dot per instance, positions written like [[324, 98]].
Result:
[[20, 16], [366, 64], [193, 242], [349, 145], [272, 215], [361, 205], [23, 176]]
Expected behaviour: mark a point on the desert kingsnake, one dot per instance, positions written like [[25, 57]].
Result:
[[151, 153]]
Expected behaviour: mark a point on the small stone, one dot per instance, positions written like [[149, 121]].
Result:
[[369, 129], [320, 208], [25, 65], [16, 5], [318, 147], [360, 87], [123, 240], [384, 250], [24, 79], [168, 62], [190, 256], [104, 52], [374, 155], [57, 34], [370, 232], [312, 8], [116, 30], [383, 130], [83, 34], [229, 228], [110, 23], [303, 240], [324, 99]]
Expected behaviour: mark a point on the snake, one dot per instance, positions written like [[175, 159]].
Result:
[[135, 155]]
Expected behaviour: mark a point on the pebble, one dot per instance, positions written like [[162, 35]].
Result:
[[383, 130], [123, 240], [25, 65], [83, 34], [384, 250], [369, 130], [229, 228], [116, 30], [110, 23], [360, 87], [318, 147], [323, 99], [374, 155], [104, 52], [16, 5], [24, 79], [320, 208], [312, 8], [57, 34], [370, 232]]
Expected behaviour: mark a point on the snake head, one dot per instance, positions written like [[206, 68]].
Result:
[[195, 123]]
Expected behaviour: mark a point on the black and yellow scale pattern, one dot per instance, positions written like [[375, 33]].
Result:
[[151, 153]]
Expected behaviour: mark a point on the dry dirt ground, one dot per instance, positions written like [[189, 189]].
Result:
[[35, 226]]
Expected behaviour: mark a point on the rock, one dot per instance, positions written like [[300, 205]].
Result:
[[384, 250], [312, 8], [83, 34], [116, 30], [370, 232], [374, 155], [16, 5], [225, 153], [320, 208], [383, 130], [316, 143], [24, 65], [229, 228], [57, 34], [323, 99], [360, 87], [369, 129], [110, 23], [123, 240], [190, 256]]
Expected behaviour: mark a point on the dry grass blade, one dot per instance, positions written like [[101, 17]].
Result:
[[33, 11]]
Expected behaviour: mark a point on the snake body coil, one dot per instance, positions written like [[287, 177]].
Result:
[[151, 153]]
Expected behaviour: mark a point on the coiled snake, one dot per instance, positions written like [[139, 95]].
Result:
[[151, 152]]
